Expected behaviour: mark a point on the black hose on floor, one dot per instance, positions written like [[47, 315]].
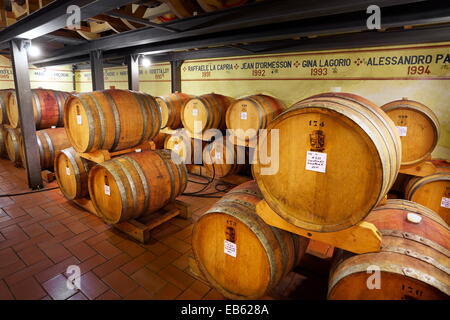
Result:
[[27, 192]]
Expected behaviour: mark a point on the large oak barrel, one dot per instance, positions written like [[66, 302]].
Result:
[[252, 113], [4, 99], [72, 173], [432, 191], [50, 142], [222, 158], [111, 120], [413, 263], [207, 110], [418, 128], [12, 145], [3, 153], [48, 107], [171, 106], [339, 154], [239, 254], [184, 147], [135, 185]]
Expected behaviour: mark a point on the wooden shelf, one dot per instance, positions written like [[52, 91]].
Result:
[[422, 169], [363, 237], [100, 156]]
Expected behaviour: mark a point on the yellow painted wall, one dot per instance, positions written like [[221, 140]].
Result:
[[57, 78], [379, 74], [154, 80]]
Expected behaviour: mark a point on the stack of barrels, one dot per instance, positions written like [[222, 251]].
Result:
[[129, 186], [48, 114]]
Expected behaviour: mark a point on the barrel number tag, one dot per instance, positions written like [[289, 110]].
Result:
[[411, 293], [218, 155], [402, 131], [230, 247], [316, 161], [195, 112], [445, 202], [68, 171], [107, 188], [79, 120], [243, 115]]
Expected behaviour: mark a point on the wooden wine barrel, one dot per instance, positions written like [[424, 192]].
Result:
[[252, 112], [171, 106], [418, 128], [3, 152], [239, 254], [339, 154], [135, 185], [72, 173], [213, 5], [222, 159], [12, 145], [413, 263], [50, 142], [4, 98], [431, 191], [208, 110], [48, 107], [159, 140], [111, 120], [184, 147]]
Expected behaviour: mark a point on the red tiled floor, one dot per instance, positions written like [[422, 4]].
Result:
[[120, 283], [78, 296], [149, 280], [32, 255], [138, 293], [82, 251], [177, 277], [168, 292], [92, 286], [137, 263], [27, 289], [58, 289], [111, 265], [57, 253], [5, 294], [109, 295]]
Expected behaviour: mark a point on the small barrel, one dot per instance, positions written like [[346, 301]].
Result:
[[222, 158], [337, 156], [4, 99], [171, 106], [413, 263], [159, 140], [12, 145], [239, 254], [247, 115], [72, 173], [48, 108], [432, 191], [3, 153], [417, 126], [50, 142], [135, 185], [205, 112], [184, 147], [111, 120]]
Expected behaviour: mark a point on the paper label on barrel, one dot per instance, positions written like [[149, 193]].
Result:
[[195, 112], [176, 147], [218, 155], [445, 202], [79, 121], [230, 248], [243, 115], [107, 190], [402, 131], [316, 161], [68, 171], [138, 150]]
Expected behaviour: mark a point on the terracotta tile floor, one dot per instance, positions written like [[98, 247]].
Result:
[[42, 234]]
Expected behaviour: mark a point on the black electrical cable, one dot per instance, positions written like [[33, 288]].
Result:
[[27, 192], [204, 187]]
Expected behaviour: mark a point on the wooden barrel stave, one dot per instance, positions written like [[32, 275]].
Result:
[[414, 259], [4, 98], [252, 112], [422, 133], [363, 151], [111, 120], [218, 153], [3, 153], [263, 254], [138, 184]]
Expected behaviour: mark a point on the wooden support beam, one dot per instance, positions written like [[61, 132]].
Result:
[[175, 69], [26, 115]]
